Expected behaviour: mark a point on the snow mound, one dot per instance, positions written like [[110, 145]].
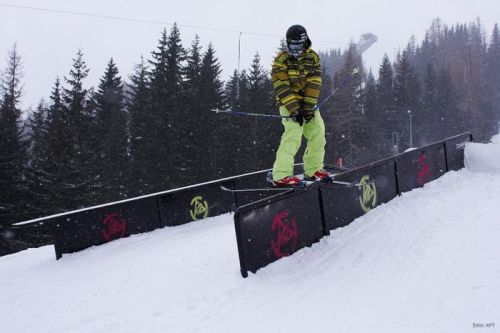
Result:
[[426, 261], [495, 139], [480, 157]]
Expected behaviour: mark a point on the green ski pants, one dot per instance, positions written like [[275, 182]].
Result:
[[314, 132]]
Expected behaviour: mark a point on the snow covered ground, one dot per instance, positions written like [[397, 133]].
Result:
[[427, 261]]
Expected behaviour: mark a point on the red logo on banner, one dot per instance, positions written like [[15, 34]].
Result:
[[114, 226], [286, 239], [424, 171]]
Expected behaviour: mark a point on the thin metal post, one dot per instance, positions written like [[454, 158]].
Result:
[[411, 129], [395, 143], [239, 60], [239, 52]]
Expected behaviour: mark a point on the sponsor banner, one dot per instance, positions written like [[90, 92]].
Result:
[[455, 151], [195, 203], [276, 227], [80, 230], [341, 205], [18, 238], [418, 167]]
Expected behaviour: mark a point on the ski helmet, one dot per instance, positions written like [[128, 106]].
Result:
[[297, 40]]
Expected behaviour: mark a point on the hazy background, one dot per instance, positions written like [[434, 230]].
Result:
[[47, 41]]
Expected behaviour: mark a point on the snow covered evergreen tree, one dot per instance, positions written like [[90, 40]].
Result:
[[407, 99], [12, 148], [37, 168], [265, 132], [493, 73], [166, 108], [375, 122], [191, 119], [345, 130], [76, 189], [141, 125], [447, 106], [59, 152], [430, 117], [211, 97], [111, 133]]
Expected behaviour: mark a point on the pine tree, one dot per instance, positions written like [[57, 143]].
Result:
[[142, 137], [331, 61], [192, 82], [447, 106], [160, 166], [493, 74], [346, 138], [385, 101], [12, 148], [111, 132], [192, 142], [237, 132], [461, 52], [231, 130], [476, 105], [370, 97], [326, 89], [385, 85], [59, 152], [429, 120], [167, 110], [375, 122], [406, 98], [213, 86], [260, 94], [77, 190], [231, 91], [37, 169], [244, 143], [211, 97]]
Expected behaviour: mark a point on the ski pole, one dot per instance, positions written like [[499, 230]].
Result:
[[248, 114], [342, 84]]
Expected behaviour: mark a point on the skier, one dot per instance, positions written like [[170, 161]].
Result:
[[296, 77]]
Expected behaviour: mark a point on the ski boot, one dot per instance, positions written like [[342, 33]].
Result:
[[319, 176]]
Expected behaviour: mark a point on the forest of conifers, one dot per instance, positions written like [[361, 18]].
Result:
[[154, 130]]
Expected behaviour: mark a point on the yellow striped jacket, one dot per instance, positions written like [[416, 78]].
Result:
[[297, 82]]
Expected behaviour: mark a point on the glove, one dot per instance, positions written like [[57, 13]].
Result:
[[308, 114], [297, 116]]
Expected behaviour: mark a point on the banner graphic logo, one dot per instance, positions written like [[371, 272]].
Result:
[[199, 208], [368, 198], [286, 234], [114, 226], [424, 171]]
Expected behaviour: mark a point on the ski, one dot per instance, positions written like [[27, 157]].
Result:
[[347, 184], [265, 189], [306, 185]]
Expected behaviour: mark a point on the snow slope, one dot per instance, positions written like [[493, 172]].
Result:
[[425, 262]]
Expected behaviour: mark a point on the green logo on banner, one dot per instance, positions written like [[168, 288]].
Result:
[[368, 198], [199, 208]]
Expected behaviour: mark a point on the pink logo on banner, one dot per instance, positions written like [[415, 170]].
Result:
[[114, 226], [424, 171], [286, 232]]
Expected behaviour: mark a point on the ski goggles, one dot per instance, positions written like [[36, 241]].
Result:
[[295, 48]]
